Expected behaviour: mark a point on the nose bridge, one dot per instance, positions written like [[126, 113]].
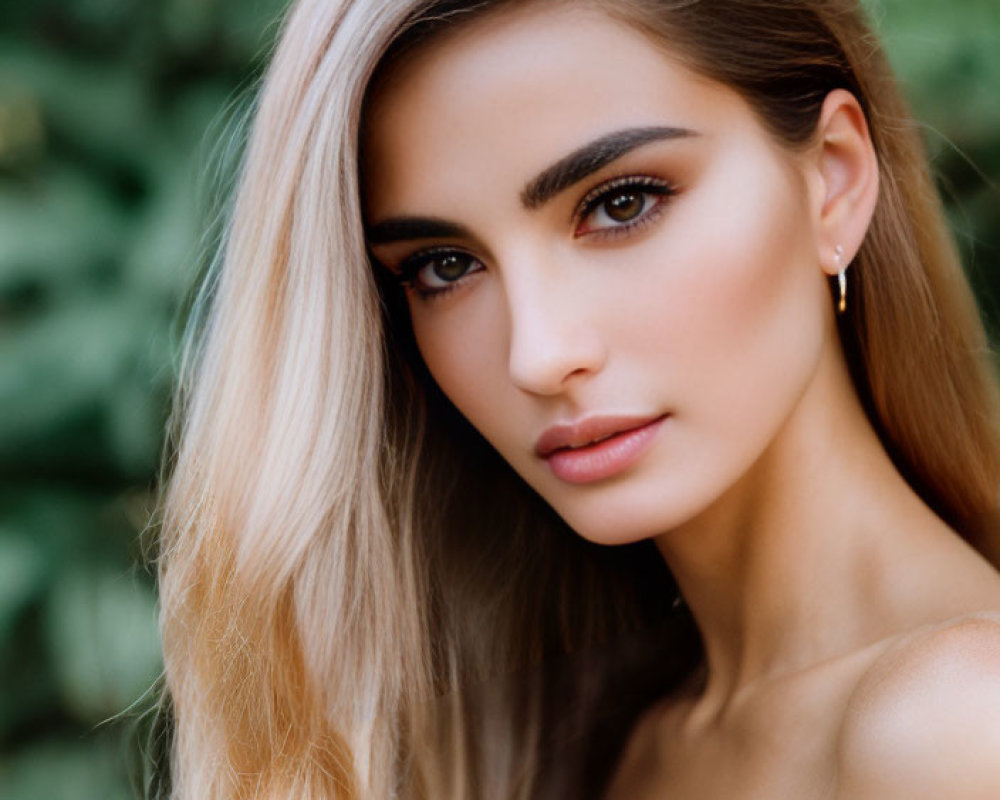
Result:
[[552, 335]]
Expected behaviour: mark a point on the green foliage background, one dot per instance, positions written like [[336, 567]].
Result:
[[110, 112]]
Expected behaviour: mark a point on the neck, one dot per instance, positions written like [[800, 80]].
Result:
[[800, 561]]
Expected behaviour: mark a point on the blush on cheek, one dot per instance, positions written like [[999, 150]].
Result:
[[749, 320]]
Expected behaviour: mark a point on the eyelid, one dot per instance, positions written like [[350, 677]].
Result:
[[411, 266], [645, 184], [641, 181], [415, 261]]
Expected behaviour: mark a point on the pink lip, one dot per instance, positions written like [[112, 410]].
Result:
[[596, 448]]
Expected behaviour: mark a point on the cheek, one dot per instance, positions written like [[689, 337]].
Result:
[[463, 349], [761, 325], [738, 322]]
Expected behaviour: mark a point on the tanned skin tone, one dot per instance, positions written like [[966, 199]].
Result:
[[587, 230]]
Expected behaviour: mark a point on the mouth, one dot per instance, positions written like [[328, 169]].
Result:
[[588, 432], [596, 448]]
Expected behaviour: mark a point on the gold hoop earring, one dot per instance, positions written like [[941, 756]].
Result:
[[841, 279]]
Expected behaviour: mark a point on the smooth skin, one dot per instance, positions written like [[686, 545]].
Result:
[[852, 647]]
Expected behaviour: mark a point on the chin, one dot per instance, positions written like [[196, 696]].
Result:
[[636, 509], [620, 524]]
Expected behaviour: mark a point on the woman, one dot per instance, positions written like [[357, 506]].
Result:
[[530, 315]]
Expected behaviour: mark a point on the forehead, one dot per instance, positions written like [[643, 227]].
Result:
[[508, 93]]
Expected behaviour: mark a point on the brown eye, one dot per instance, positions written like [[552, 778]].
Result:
[[432, 271], [624, 206]]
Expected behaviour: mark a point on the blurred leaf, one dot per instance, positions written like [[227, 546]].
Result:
[[251, 26], [56, 231], [22, 132], [63, 363], [135, 420], [946, 55], [100, 17], [103, 638], [22, 569], [164, 238], [89, 770], [190, 23], [103, 109]]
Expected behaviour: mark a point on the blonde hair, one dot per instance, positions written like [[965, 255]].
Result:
[[359, 599]]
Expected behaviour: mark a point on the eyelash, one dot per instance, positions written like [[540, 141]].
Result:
[[412, 265], [643, 185]]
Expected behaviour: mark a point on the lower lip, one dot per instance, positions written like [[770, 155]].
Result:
[[607, 458]]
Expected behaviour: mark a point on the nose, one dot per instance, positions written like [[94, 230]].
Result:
[[554, 341]]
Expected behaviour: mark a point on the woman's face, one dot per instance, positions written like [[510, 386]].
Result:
[[598, 245]]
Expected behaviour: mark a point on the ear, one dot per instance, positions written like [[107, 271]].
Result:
[[847, 179]]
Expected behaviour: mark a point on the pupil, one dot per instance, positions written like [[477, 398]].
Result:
[[450, 268], [624, 207]]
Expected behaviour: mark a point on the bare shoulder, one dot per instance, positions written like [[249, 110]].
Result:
[[924, 719]]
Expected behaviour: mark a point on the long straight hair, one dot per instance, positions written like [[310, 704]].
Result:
[[360, 600]]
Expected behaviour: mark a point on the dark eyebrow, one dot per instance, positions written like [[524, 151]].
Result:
[[590, 158], [564, 173], [404, 229]]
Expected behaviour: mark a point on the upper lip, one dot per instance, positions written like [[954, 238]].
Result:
[[587, 431]]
